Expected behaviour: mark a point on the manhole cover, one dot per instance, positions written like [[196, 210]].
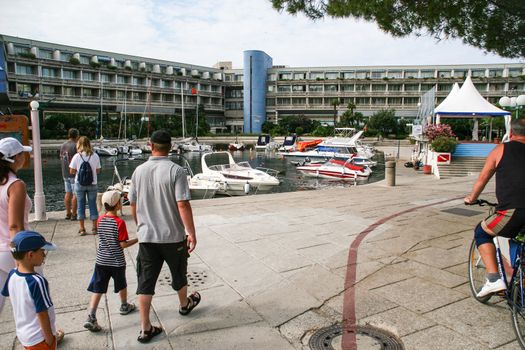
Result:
[[196, 278], [367, 338], [462, 211]]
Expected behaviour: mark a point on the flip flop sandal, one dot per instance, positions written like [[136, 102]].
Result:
[[94, 231], [82, 232], [193, 300], [146, 336]]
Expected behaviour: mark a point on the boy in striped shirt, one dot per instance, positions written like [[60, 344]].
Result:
[[29, 293], [110, 262]]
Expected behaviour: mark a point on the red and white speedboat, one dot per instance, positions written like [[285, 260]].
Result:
[[336, 169]]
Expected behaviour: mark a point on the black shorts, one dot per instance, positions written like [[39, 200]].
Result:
[[150, 259], [102, 275]]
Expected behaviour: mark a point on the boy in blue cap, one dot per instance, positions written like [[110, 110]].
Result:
[[29, 293]]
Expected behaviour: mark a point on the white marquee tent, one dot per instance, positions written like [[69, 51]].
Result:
[[467, 102]]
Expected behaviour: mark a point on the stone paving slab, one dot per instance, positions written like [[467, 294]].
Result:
[[276, 267]]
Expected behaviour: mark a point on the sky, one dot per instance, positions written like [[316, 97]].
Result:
[[203, 32]]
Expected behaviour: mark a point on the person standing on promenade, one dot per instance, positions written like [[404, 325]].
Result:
[[67, 151], [159, 197], [110, 262], [29, 293], [507, 161], [15, 204], [85, 154]]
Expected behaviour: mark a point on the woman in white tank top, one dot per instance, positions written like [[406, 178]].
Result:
[[15, 204]]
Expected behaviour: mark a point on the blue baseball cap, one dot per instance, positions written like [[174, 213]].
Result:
[[25, 241]]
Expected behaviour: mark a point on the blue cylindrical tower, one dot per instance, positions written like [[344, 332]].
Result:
[[256, 64]]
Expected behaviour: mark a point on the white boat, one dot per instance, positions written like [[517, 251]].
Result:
[[266, 143], [335, 169], [129, 148], [193, 145], [105, 150], [345, 138], [323, 152], [289, 143], [199, 188], [237, 179], [236, 146]]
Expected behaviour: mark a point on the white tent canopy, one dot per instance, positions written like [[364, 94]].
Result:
[[467, 102]]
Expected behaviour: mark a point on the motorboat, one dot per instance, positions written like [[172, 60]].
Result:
[[323, 152], [199, 188], [193, 145], [129, 148], [236, 179], [335, 169], [289, 143], [307, 145], [105, 150], [236, 146], [344, 139], [266, 143]]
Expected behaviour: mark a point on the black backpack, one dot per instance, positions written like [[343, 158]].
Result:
[[85, 174]]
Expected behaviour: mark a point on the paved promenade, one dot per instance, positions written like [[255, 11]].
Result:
[[272, 270]]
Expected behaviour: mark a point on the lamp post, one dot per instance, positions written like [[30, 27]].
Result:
[[513, 103], [40, 198]]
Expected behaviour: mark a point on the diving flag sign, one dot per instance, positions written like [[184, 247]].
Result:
[[443, 158]]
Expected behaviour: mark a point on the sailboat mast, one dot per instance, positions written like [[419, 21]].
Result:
[[182, 100], [101, 112]]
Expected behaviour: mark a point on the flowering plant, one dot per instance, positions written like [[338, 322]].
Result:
[[432, 131]]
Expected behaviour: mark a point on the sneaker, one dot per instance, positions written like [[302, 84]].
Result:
[[91, 324], [491, 287], [126, 308]]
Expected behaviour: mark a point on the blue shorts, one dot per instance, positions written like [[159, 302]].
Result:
[[101, 276], [69, 184]]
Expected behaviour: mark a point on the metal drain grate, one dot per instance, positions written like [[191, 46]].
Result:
[[462, 211], [374, 337], [196, 279]]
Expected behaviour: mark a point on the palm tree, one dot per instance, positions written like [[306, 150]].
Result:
[[335, 102]]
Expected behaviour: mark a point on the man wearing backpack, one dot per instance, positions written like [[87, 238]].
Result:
[[85, 165]]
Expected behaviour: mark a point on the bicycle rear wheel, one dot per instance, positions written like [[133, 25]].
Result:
[[477, 273], [518, 314]]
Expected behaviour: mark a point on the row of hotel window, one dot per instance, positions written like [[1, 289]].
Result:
[[382, 74], [327, 102], [387, 87], [66, 57], [109, 78], [48, 90], [484, 87]]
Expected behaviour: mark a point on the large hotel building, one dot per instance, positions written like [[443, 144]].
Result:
[[82, 81]]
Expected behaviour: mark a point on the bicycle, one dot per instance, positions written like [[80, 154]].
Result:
[[514, 294]]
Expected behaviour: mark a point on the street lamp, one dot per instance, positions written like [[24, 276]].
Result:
[[513, 103], [40, 198]]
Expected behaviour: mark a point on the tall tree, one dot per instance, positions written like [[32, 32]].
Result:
[[496, 26], [335, 102]]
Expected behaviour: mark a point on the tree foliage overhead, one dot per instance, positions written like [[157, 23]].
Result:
[[496, 26]]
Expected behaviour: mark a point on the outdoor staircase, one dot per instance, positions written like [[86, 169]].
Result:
[[461, 166]]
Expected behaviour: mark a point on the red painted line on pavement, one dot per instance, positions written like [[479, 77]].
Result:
[[349, 340]]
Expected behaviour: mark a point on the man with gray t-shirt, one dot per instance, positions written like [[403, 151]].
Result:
[[159, 197]]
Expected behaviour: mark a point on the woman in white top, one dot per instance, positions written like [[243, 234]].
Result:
[[86, 154], [15, 204]]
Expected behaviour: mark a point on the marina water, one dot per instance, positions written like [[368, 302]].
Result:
[[291, 180]]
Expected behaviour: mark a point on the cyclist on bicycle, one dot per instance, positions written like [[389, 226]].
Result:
[[507, 160]]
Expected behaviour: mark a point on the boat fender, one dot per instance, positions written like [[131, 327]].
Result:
[[246, 188]]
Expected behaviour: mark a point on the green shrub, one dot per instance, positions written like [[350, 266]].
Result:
[[444, 144]]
